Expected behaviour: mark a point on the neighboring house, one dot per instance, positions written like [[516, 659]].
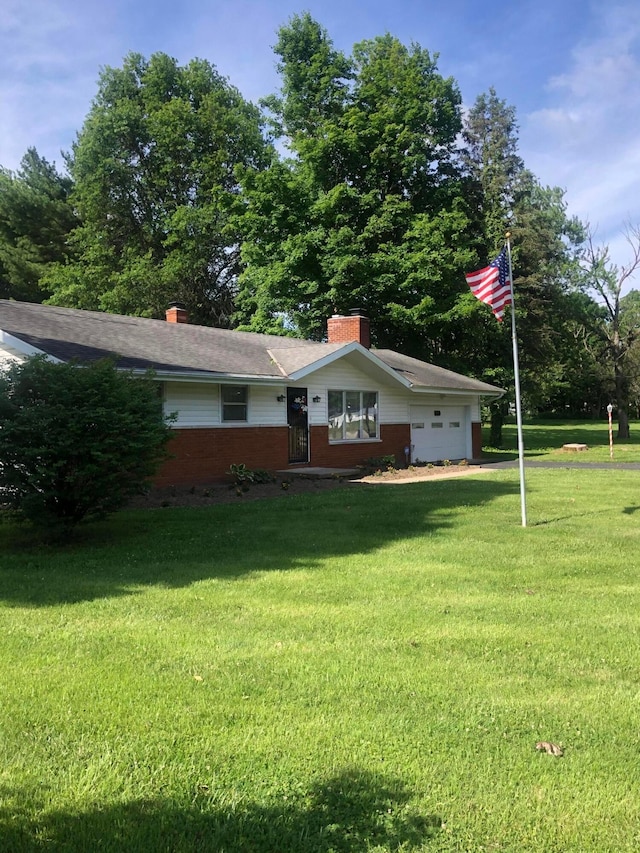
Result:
[[266, 401]]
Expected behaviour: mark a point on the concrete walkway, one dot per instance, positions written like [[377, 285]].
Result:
[[318, 473]]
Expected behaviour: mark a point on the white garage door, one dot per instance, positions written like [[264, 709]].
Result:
[[438, 433]]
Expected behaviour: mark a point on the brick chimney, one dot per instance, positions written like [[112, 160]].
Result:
[[176, 313], [354, 327]]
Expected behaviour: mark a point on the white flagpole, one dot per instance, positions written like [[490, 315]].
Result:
[[516, 371]]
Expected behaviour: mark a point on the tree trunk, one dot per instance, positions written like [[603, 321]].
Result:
[[622, 404], [623, 424], [497, 419]]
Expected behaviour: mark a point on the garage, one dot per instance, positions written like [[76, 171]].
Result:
[[438, 433]]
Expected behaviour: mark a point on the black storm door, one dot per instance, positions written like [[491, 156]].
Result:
[[298, 421]]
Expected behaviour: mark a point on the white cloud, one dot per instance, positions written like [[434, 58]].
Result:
[[587, 139], [49, 68]]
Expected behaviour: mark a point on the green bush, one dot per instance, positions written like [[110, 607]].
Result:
[[243, 476], [76, 442], [379, 463]]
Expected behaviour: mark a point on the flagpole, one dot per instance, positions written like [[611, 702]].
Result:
[[516, 371]]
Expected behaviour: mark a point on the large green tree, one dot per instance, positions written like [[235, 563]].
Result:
[[36, 219], [155, 184], [368, 210], [493, 165], [546, 243]]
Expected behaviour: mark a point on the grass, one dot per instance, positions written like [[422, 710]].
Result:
[[543, 440], [367, 669]]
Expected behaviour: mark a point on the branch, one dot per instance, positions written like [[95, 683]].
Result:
[[632, 236]]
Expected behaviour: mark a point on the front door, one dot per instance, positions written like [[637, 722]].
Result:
[[298, 421]]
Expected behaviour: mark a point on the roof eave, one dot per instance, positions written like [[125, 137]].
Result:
[[208, 376], [451, 392], [22, 347]]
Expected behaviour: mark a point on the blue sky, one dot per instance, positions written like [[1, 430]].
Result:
[[570, 67]]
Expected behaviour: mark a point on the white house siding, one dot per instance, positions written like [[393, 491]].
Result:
[[264, 408], [197, 404], [9, 357], [393, 402]]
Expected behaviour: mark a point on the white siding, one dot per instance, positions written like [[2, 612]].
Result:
[[197, 404], [9, 357], [264, 408], [393, 404]]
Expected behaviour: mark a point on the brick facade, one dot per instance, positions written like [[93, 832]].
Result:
[[394, 438], [476, 440], [201, 456], [344, 330], [176, 313]]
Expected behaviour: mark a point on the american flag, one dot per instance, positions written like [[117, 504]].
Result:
[[492, 284]]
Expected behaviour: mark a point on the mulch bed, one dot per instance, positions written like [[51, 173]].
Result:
[[219, 493]]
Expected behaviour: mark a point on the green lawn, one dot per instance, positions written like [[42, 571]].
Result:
[[544, 440], [367, 669]]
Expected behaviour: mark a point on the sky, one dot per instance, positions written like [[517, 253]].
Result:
[[571, 69]]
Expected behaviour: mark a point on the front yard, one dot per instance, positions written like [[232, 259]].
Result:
[[364, 669]]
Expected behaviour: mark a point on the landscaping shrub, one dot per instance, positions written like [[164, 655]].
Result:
[[76, 442]]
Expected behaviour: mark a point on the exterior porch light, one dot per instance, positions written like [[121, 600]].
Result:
[[280, 398], [316, 399]]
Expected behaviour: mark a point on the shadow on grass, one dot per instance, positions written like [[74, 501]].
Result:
[[350, 813], [629, 510], [177, 547]]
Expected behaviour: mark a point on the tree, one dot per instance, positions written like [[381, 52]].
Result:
[[630, 310], [369, 211], [36, 219], [618, 330], [76, 442], [576, 384], [490, 158], [546, 245], [155, 184]]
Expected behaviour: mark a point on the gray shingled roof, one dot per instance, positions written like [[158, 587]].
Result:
[[181, 348], [422, 374]]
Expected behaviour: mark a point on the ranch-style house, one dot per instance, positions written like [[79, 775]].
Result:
[[269, 402]]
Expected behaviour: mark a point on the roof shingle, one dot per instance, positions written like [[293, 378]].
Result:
[[179, 348]]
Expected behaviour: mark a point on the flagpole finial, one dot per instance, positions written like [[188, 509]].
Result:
[[508, 234]]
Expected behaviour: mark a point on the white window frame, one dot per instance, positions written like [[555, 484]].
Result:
[[344, 438], [224, 403]]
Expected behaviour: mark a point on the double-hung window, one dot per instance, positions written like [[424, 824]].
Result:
[[353, 415], [234, 402]]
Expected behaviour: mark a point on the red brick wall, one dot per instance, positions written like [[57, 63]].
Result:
[[394, 438], [476, 440], [176, 315], [203, 456], [343, 330]]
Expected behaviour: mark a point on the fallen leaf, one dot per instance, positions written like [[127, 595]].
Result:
[[550, 748]]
